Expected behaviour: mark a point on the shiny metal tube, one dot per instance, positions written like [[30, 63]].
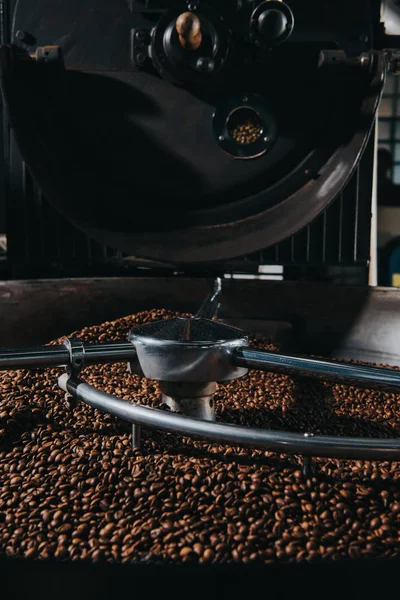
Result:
[[111, 352], [327, 370], [20, 358], [275, 441], [58, 356], [209, 308]]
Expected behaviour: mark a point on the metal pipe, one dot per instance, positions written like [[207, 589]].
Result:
[[110, 352], [58, 356], [136, 434], [20, 358], [347, 373], [275, 441], [209, 308]]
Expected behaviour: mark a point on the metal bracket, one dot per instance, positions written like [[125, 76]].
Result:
[[76, 352], [140, 47], [393, 60]]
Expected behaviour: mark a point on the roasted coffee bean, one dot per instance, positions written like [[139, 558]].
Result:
[[247, 132], [72, 487]]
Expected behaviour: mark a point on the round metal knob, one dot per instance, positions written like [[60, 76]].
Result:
[[188, 28], [272, 24]]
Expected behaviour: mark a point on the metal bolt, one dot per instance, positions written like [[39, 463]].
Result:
[[141, 38], [25, 38], [266, 139], [365, 60], [140, 35], [205, 65], [192, 6], [140, 58], [245, 99], [221, 138]]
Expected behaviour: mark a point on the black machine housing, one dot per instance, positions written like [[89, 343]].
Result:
[[116, 154]]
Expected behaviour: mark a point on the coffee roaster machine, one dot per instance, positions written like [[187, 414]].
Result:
[[150, 148]]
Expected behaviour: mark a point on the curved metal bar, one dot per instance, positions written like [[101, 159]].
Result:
[[275, 441], [339, 372]]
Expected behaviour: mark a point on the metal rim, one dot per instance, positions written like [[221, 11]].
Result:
[[237, 336]]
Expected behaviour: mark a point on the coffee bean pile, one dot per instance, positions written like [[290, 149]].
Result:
[[246, 131], [72, 487]]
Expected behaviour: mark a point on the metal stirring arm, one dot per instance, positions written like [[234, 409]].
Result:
[[275, 441], [327, 370], [62, 355], [251, 358], [234, 357]]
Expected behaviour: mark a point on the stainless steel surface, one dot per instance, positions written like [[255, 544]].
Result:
[[191, 399], [188, 356], [59, 355], [187, 350], [276, 441], [351, 374]]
